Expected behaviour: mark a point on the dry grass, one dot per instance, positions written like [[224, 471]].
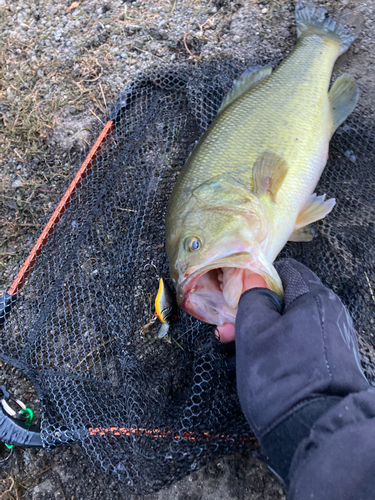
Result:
[[16, 488], [35, 86], [33, 90], [30, 104]]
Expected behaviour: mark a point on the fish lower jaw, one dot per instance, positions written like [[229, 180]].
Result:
[[213, 295], [211, 309]]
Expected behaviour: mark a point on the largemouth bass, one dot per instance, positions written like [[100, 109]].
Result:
[[247, 188]]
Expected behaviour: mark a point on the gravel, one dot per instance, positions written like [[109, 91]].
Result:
[[62, 64]]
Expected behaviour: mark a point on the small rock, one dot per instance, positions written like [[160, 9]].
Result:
[[46, 489], [158, 34], [17, 183], [2, 3], [236, 39], [153, 47], [134, 27], [264, 11], [163, 34]]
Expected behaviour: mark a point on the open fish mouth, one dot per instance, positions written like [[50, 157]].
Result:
[[211, 292]]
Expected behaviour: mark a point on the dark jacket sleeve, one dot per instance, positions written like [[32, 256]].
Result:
[[337, 460], [302, 388]]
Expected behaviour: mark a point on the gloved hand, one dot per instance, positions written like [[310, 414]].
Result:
[[295, 359]]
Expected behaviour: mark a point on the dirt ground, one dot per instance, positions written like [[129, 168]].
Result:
[[62, 64]]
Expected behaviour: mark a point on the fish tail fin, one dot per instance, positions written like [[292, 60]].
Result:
[[311, 19]]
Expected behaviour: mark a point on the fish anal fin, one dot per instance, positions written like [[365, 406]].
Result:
[[316, 208], [343, 98], [249, 78], [269, 171], [302, 234]]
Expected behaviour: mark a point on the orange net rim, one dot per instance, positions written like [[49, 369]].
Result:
[[163, 434], [58, 212]]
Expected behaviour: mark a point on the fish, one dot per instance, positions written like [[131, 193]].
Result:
[[248, 186], [165, 307]]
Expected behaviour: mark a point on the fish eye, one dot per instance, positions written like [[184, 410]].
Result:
[[193, 243]]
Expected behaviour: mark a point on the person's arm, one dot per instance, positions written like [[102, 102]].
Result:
[[302, 388]]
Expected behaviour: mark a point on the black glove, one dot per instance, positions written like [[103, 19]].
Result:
[[295, 359]]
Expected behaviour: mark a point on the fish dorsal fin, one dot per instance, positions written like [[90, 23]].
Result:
[[343, 98], [301, 234], [315, 209], [269, 171], [249, 78]]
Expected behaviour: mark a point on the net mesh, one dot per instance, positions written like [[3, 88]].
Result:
[[150, 411]]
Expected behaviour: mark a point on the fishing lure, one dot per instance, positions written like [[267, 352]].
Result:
[[165, 307]]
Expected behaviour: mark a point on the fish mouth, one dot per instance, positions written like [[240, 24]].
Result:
[[211, 292]]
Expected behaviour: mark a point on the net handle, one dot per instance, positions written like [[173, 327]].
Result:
[[14, 430], [7, 299]]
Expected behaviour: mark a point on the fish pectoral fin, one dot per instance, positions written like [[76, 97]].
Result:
[[343, 98], [301, 234], [316, 208], [269, 171], [249, 78]]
